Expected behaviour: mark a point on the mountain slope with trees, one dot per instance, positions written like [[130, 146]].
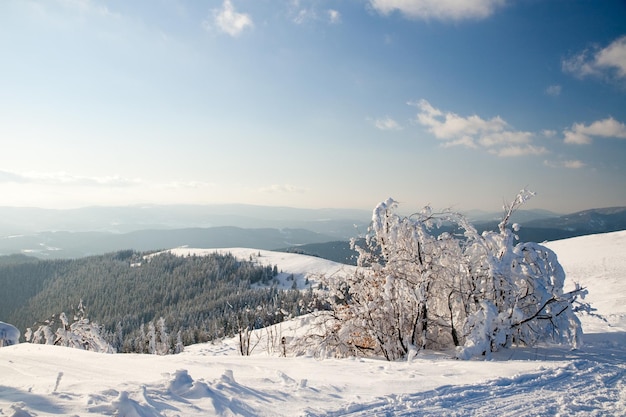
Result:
[[203, 297]]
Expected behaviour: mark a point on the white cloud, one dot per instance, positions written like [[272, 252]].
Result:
[[609, 62], [387, 123], [579, 65], [518, 150], [554, 90], [228, 20], [451, 126], [88, 7], [187, 184], [438, 9], [614, 56], [569, 164], [466, 141], [6, 176], [580, 134], [493, 135], [282, 188], [334, 16], [301, 16], [63, 178]]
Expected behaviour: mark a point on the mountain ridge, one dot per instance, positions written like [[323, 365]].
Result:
[[274, 228]]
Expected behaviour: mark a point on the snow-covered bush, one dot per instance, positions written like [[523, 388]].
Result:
[[79, 334], [9, 334], [459, 289]]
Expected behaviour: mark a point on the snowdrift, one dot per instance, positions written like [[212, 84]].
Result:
[[211, 379]]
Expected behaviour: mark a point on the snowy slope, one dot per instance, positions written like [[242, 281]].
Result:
[[302, 267], [598, 263], [211, 379]]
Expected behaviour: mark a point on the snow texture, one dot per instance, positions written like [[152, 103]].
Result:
[[212, 379]]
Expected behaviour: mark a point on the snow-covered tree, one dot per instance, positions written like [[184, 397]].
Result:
[[79, 333], [141, 341], [152, 338], [155, 340], [9, 334], [416, 289], [163, 343], [179, 347]]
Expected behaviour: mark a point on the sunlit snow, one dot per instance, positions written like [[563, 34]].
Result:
[[212, 379]]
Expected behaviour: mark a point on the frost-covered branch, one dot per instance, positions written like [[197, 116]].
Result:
[[79, 333], [419, 289]]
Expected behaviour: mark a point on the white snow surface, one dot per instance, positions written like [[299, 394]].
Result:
[[212, 379]]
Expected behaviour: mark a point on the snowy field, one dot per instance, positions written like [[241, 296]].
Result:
[[212, 379]]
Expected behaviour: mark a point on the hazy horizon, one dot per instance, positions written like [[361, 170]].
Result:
[[313, 104], [403, 207]]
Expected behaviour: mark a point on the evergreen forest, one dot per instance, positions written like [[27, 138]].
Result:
[[196, 298]]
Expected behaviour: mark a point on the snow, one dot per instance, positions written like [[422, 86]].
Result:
[[212, 379], [597, 262]]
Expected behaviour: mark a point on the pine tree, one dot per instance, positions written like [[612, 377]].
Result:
[[152, 338], [163, 344]]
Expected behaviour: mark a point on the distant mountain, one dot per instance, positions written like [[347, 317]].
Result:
[[601, 220], [589, 221], [321, 232], [551, 228], [51, 245], [339, 223], [520, 216]]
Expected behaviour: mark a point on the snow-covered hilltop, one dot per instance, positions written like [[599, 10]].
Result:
[[305, 270], [597, 262], [212, 379]]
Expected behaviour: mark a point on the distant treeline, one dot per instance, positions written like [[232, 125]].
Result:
[[202, 297]]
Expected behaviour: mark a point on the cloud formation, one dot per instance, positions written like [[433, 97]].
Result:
[[569, 164], [607, 62], [187, 184], [302, 15], [581, 134], [438, 9], [228, 20], [282, 188], [387, 123], [553, 90], [493, 135], [334, 16], [88, 7], [63, 178]]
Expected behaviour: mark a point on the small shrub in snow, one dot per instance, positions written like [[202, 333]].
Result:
[[79, 334], [472, 292]]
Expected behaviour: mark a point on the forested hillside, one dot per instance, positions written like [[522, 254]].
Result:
[[202, 297]]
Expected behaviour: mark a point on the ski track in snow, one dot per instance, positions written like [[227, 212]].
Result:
[[211, 379], [580, 388]]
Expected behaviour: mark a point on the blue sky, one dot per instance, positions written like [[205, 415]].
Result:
[[313, 103]]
